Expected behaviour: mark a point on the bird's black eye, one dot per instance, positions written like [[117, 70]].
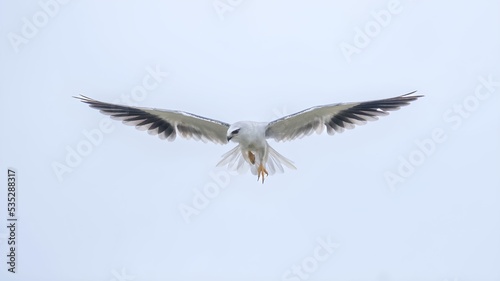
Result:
[[235, 132]]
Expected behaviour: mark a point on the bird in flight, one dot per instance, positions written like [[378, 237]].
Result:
[[250, 136]]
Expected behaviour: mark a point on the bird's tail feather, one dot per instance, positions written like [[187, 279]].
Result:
[[235, 160], [275, 161]]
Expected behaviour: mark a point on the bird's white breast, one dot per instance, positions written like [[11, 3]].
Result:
[[254, 137]]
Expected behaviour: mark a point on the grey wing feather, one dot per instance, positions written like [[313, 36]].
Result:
[[335, 117], [167, 124]]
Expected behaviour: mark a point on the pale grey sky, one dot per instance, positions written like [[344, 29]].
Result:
[[413, 196]]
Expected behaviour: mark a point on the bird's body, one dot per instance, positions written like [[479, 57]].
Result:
[[253, 148]]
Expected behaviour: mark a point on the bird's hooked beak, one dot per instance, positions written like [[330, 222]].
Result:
[[229, 138]]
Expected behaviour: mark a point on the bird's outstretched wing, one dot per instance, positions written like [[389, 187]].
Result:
[[167, 124], [335, 117]]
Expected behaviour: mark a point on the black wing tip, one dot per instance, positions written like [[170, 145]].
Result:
[[95, 103], [406, 98], [411, 95], [85, 99]]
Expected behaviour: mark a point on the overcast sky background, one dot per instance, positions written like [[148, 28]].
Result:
[[114, 213]]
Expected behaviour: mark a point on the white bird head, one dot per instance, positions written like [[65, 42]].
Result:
[[236, 130]]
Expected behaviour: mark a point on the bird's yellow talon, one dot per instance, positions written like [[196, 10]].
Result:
[[261, 171]]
